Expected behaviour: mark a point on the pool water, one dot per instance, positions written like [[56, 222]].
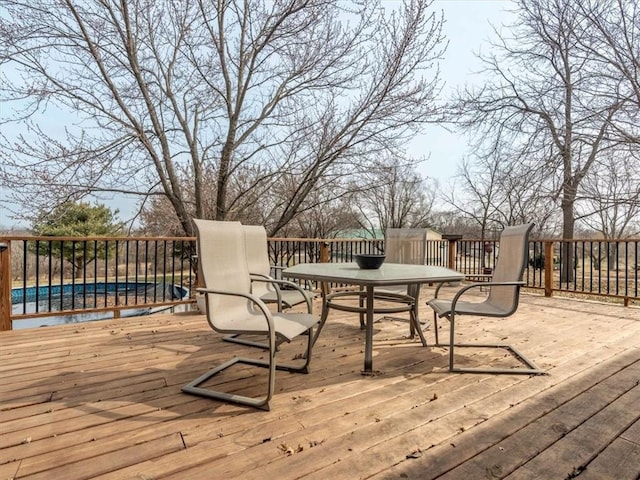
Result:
[[54, 298]]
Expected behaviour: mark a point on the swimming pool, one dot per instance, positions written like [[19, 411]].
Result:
[[56, 298]]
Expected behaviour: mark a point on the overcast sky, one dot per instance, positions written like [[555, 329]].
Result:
[[467, 28]]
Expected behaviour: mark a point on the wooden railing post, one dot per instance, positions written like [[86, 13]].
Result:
[[548, 268], [324, 252], [452, 255], [324, 258], [5, 286]]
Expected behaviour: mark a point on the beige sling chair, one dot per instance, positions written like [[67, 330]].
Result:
[[232, 308], [402, 245], [268, 289], [501, 301], [408, 246]]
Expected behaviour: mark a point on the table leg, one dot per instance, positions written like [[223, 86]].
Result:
[[368, 343]]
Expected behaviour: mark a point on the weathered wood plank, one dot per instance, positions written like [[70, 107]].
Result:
[[98, 464], [87, 396], [158, 420], [400, 393], [565, 422], [9, 470], [96, 448], [620, 460], [504, 435], [578, 447], [633, 432]]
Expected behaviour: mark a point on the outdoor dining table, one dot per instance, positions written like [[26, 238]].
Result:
[[387, 275]]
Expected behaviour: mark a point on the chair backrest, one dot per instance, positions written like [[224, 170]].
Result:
[[223, 263], [406, 245], [258, 256], [512, 260]]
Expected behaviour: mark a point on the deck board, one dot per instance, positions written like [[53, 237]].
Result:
[[103, 400], [621, 457]]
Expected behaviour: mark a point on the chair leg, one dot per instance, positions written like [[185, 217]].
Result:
[[531, 367], [361, 314], [306, 355], [257, 402], [323, 319], [415, 324], [414, 291], [261, 402], [452, 325]]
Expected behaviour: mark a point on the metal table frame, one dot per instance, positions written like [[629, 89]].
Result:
[[388, 274]]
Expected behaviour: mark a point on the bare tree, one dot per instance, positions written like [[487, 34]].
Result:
[[222, 99], [520, 201], [612, 35], [493, 192], [480, 199], [397, 197], [452, 222], [547, 98], [610, 202], [327, 220], [328, 205]]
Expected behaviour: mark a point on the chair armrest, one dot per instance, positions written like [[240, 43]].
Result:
[[440, 284], [466, 288], [435, 294], [258, 276], [261, 277], [287, 283], [277, 270], [261, 305]]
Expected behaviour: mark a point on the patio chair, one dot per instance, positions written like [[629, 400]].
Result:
[[408, 246], [268, 289], [501, 301], [402, 245], [232, 308]]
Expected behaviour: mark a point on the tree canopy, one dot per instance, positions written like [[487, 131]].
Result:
[[561, 98], [72, 219], [223, 108]]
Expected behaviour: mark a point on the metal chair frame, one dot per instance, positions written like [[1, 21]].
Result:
[[487, 309], [277, 327]]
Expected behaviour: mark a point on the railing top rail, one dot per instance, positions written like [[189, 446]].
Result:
[[327, 240], [593, 240], [139, 238], [6, 238], [89, 238]]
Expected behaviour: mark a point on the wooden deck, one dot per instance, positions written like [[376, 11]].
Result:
[[103, 400]]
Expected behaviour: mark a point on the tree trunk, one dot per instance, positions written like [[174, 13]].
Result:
[[223, 181], [568, 220]]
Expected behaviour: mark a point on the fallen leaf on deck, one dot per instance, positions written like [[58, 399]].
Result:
[[286, 449], [415, 454]]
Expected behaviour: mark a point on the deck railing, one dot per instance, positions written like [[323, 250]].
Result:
[[50, 276], [599, 268], [77, 276]]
